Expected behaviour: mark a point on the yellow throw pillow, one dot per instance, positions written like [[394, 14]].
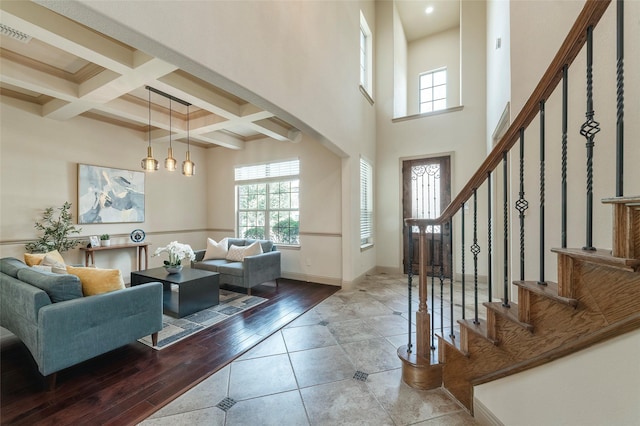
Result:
[[97, 281], [35, 258]]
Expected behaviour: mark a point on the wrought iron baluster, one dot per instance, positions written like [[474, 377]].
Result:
[[462, 263], [522, 204], [505, 203], [475, 249], [432, 247], [565, 109], [441, 277], [589, 130], [541, 281], [620, 98], [489, 241], [409, 282], [452, 334]]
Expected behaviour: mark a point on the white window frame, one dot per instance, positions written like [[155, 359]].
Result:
[[268, 174], [432, 101], [366, 56], [366, 203]]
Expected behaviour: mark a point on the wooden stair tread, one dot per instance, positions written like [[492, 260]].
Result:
[[455, 342], [601, 257], [479, 329], [550, 291], [510, 313]]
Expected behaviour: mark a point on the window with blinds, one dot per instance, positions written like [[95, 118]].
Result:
[[366, 203], [268, 201]]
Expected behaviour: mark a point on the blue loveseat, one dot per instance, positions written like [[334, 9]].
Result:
[[70, 329], [252, 271]]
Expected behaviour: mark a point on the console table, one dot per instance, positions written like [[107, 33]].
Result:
[[90, 251]]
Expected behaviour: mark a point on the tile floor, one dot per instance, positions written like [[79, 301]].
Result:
[[335, 365]]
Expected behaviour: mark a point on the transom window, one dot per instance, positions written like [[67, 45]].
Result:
[[366, 57], [268, 202], [433, 90]]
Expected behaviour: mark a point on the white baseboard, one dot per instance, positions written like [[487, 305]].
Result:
[[313, 278], [483, 415]]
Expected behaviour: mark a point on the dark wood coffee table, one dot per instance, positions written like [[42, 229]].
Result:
[[196, 289]]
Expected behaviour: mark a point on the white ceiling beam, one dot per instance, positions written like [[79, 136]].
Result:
[[276, 131], [222, 139], [107, 86], [65, 34]]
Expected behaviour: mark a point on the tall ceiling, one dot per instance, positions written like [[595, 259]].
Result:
[[418, 24], [70, 70]]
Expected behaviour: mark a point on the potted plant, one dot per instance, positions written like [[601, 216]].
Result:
[[105, 240], [56, 230], [177, 252]]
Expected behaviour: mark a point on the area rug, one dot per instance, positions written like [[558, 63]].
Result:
[[176, 329]]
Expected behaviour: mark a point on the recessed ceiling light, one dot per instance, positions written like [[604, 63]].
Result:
[[428, 10]]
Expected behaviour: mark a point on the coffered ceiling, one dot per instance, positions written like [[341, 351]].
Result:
[[70, 70]]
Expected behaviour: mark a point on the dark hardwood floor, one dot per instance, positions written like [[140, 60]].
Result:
[[128, 384]]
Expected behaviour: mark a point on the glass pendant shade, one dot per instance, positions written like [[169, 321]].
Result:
[[170, 162], [188, 166], [149, 164]]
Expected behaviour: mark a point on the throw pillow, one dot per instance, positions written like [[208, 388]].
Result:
[[97, 281], [237, 253], [36, 258], [216, 250], [58, 287], [53, 264]]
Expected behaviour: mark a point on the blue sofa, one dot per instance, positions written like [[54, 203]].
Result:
[[254, 270], [69, 329]]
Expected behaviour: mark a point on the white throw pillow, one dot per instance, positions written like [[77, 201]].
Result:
[[238, 253], [216, 250]]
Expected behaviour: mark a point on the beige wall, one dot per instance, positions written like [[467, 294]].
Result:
[[459, 133], [441, 50], [38, 169], [310, 81]]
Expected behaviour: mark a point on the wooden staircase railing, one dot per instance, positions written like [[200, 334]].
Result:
[[550, 319]]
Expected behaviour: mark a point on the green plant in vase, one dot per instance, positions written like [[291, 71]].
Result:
[[56, 229]]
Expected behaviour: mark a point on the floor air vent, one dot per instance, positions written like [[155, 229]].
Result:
[[226, 403]]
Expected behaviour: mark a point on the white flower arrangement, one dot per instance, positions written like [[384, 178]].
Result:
[[177, 252]]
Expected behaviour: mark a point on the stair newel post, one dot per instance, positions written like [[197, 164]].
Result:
[[522, 204], [505, 205], [452, 334], [462, 269], [620, 98], [589, 130], [489, 241], [565, 120], [541, 281], [475, 249], [422, 316], [409, 282]]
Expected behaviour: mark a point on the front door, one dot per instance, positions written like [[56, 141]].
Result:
[[426, 184]]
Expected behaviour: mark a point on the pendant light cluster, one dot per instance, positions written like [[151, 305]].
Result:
[[150, 164]]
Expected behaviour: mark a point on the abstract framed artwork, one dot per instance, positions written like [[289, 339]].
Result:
[[107, 195]]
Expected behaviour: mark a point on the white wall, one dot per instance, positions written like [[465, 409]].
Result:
[[498, 64], [38, 169], [573, 390], [461, 133], [430, 53], [400, 70]]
